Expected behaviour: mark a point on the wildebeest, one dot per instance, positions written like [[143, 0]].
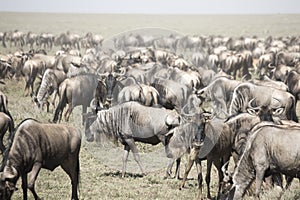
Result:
[[75, 91], [267, 152], [31, 70], [34, 146], [50, 84], [145, 94], [220, 93], [293, 82], [4, 105], [222, 139], [107, 89], [172, 95], [271, 98], [181, 139], [130, 122]]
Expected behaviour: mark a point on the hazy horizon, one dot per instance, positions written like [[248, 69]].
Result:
[[173, 7]]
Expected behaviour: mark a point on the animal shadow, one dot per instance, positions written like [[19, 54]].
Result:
[[119, 174]]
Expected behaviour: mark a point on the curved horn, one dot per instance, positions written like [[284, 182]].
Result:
[[250, 104], [270, 66], [224, 167], [102, 75]]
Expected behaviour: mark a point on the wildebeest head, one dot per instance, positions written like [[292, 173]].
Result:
[[200, 136], [8, 179], [264, 112], [110, 80], [198, 119], [90, 122], [204, 94]]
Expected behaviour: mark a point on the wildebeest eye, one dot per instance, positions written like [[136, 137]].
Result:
[[253, 111], [278, 111]]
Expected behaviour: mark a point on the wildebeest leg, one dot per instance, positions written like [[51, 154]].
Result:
[[32, 178], [84, 110], [218, 165], [207, 177], [24, 186], [71, 167], [134, 150], [192, 157], [32, 85], [27, 85], [200, 179], [169, 168], [289, 180], [259, 179], [177, 172], [125, 158], [68, 112]]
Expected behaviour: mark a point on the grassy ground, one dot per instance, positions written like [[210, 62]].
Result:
[[100, 166]]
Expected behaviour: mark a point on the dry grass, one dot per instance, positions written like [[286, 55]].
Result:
[[100, 166]]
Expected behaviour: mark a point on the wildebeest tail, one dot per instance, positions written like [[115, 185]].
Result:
[[3, 40], [293, 114], [78, 177]]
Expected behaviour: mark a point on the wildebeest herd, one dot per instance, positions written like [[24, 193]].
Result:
[[211, 97]]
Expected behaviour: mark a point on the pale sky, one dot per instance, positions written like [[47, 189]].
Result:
[[154, 6]]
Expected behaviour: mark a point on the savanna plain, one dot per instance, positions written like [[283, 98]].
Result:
[[100, 167]]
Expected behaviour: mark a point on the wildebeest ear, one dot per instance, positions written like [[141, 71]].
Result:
[[252, 111], [200, 92], [76, 64], [278, 111]]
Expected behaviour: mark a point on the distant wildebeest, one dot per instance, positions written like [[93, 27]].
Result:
[[35, 146], [293, 83], [32, 69], [145, 94], [264, 61], [219, 92], [130, 122], [172, 95], [50, 83], [272, 155]]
